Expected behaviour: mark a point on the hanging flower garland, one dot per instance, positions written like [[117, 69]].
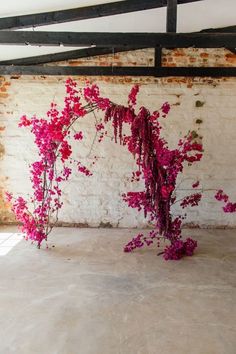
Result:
[[157, 165]]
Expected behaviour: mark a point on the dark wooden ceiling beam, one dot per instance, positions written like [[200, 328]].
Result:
[[119, 71], [68, 55], [104, 39], [82, 13], [228, 29], [90, 52], [158, 57], [171, 16]]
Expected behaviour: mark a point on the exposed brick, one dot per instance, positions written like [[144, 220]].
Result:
[[3, 95], [204, 55], [5, 214], [2, 151], [231, 60], [230, 56]]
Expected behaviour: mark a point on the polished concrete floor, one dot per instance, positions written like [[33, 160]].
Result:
[[85, 296]]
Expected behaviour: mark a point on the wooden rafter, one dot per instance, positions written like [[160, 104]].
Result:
[[158, 57], [82, 13], [104, 39], [171, 18], [91, 52], [228, 29], [117, 71], [68, 55]]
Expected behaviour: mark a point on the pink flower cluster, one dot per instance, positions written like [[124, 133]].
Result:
[[179, 249], [229, 207], [139, 241], [191, 200], [132, 97]]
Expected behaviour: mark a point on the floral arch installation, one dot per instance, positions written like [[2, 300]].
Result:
[[157, 165]]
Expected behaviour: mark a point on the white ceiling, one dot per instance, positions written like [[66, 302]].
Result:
[[191, 17]]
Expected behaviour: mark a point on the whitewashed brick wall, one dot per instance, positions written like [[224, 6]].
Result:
[[97, 200]]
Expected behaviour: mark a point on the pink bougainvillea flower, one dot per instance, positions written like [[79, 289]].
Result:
[[132, 98], [229, 207], [165, 109], [221, 196], [180, 248], [78, 136], [99, 127], [191, 200], [24, 122], [9, 196], [196, 184]]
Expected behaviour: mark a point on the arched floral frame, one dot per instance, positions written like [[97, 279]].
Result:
[[157, 165]]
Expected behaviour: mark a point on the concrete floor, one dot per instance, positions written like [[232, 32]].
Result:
[[85, 296]]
